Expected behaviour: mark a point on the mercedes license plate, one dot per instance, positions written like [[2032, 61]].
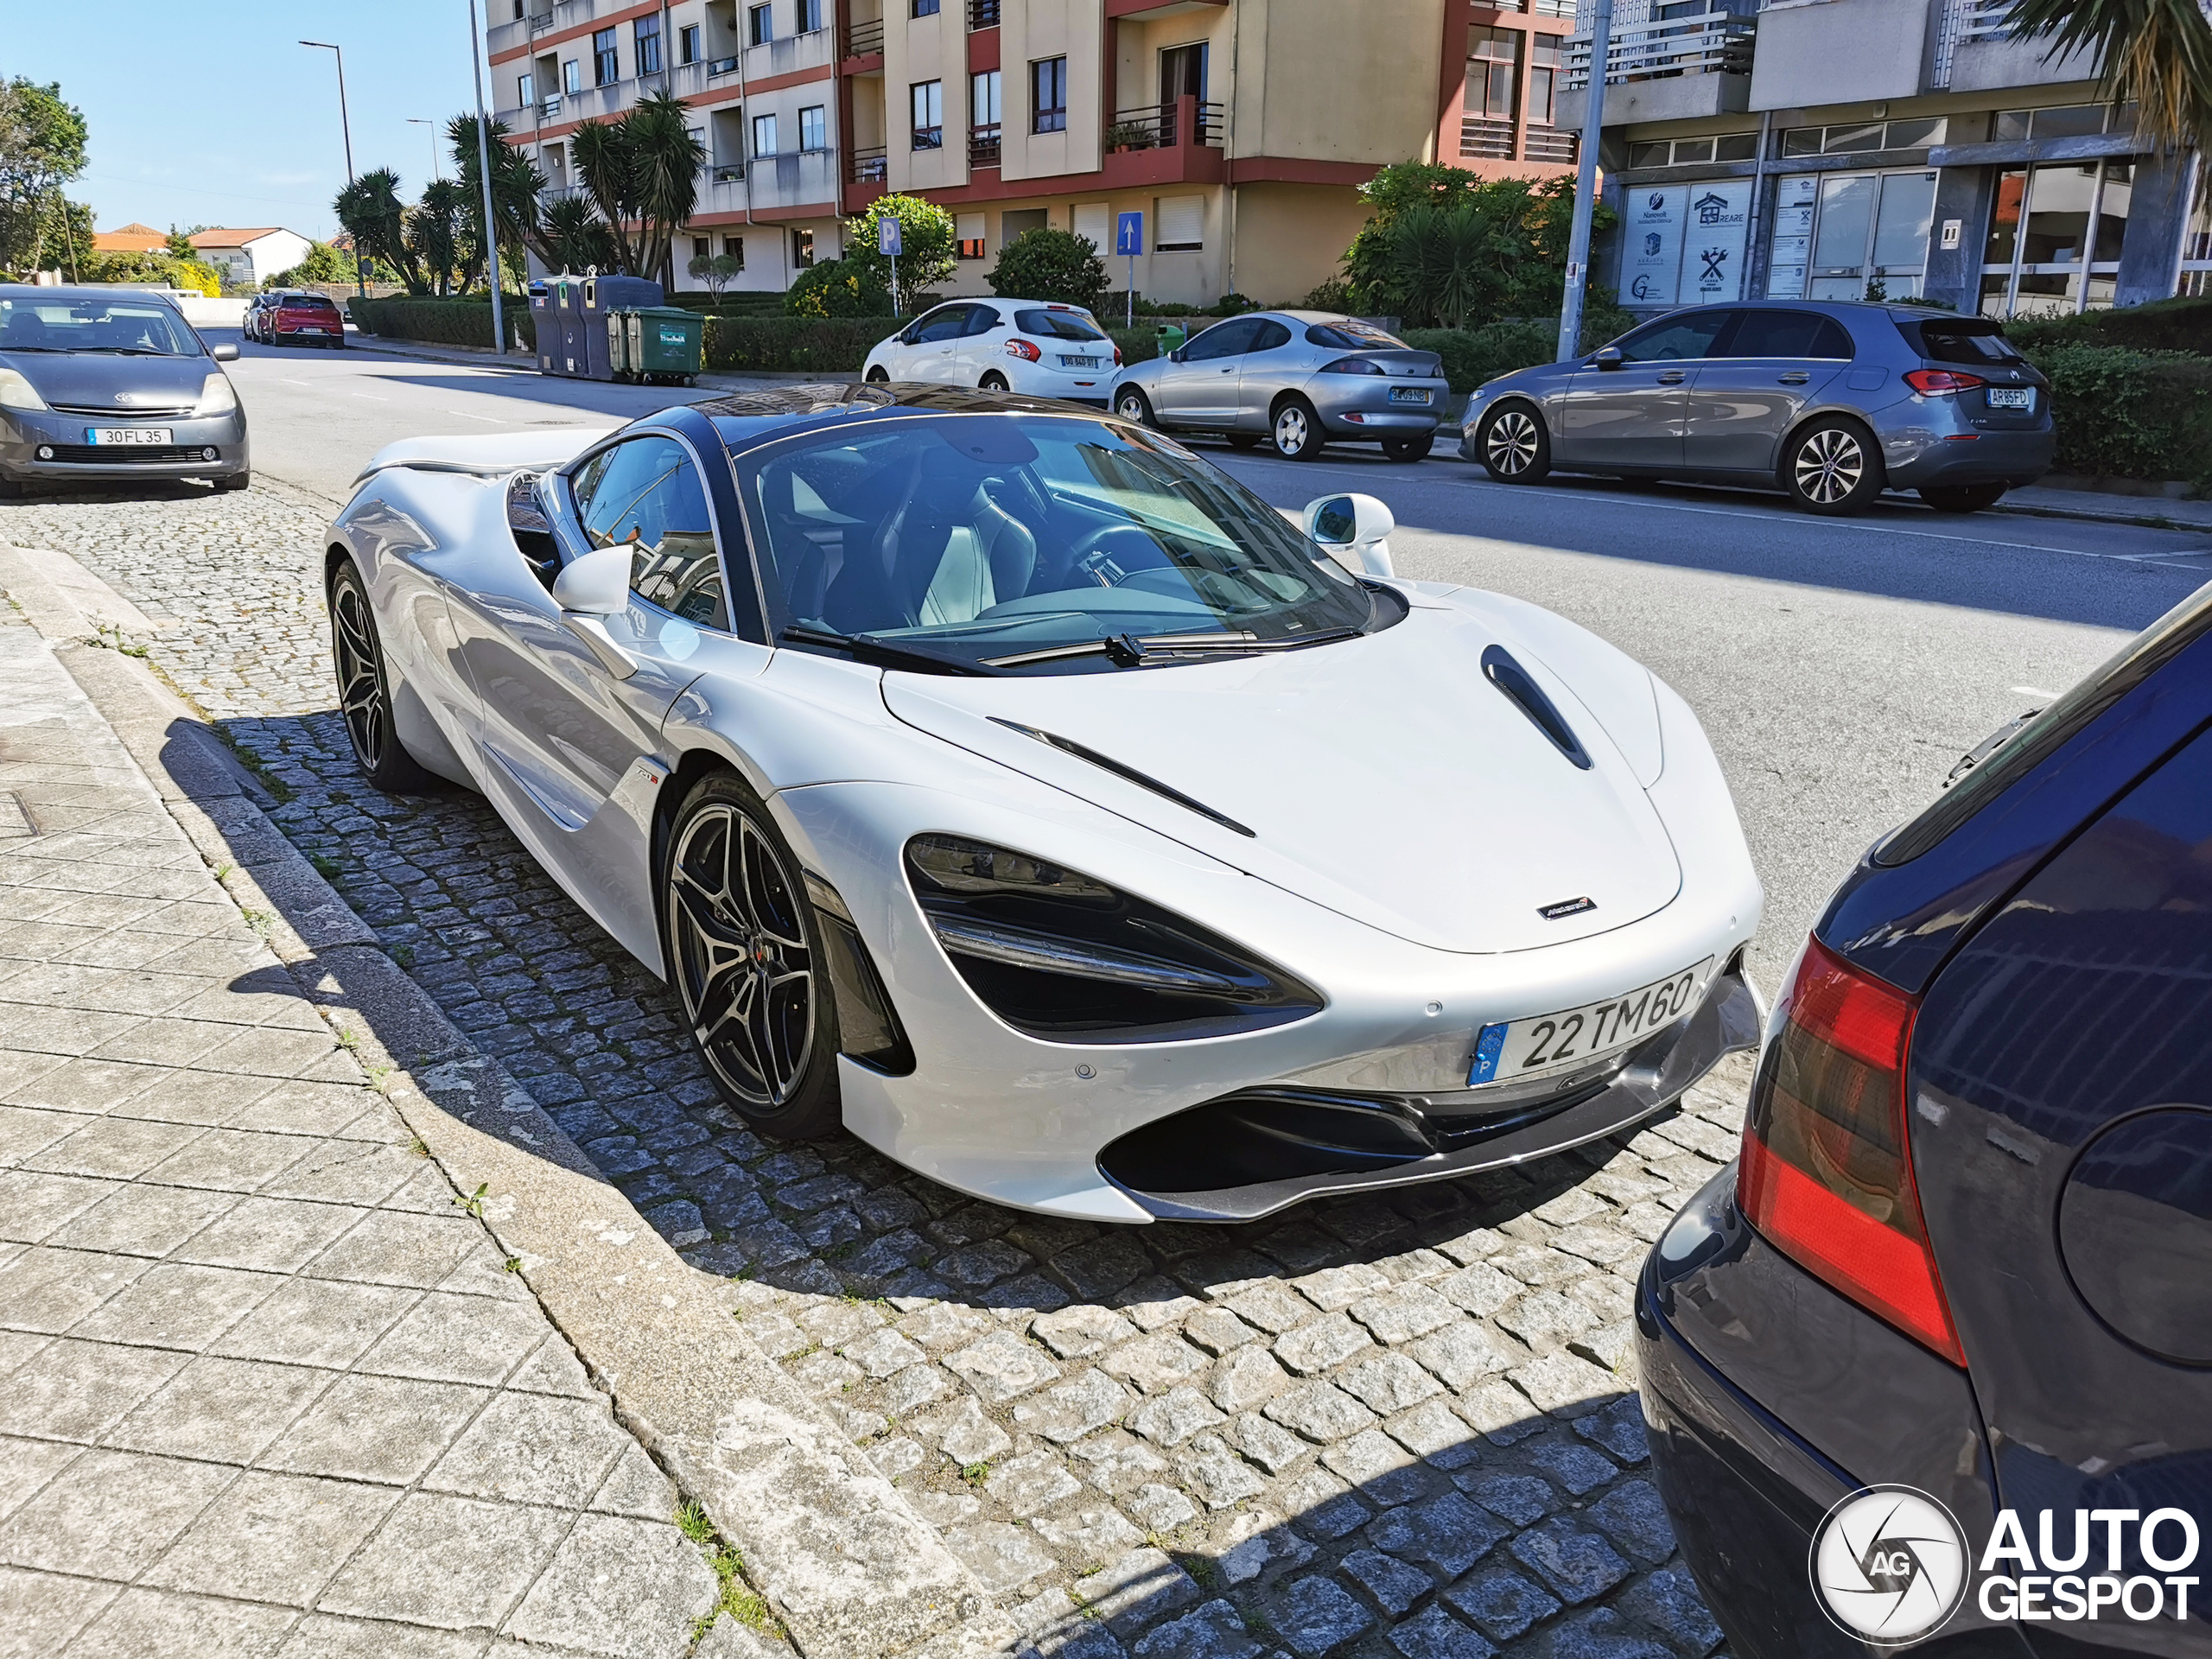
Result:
[[125, 436], [1409, 394], [1078, 362], [2012, 397], [1521, 1046]]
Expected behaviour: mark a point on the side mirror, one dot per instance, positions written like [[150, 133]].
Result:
[[1176, 356], [1608, 357], [597, 584], [1358, 523], [224, 353]]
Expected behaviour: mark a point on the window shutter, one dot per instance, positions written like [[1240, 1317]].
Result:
[[968, 227], [1182, 222], [1096, 221]]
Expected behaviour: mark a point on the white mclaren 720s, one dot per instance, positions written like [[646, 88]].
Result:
[[1000, 781]]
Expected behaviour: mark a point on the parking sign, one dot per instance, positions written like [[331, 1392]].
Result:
[[886, 237], [1129, 234]]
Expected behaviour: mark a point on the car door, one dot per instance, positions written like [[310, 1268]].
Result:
[[1631, 415], [1276, 360], [572, 707], [1202, 389], [976, 349], [932, 344], [1763, 373]]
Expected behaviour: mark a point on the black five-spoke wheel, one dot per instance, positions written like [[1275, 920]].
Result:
[[364, 687], [743, 955]]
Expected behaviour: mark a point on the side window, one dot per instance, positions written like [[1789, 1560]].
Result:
[[1271, 334], [1787, 333], [1231, 338], [1670, 340], [646, 494], [943, 324], [982, 320]]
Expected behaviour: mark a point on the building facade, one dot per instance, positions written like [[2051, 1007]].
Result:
[[1850, 148], [249, 257], [1240, 128]]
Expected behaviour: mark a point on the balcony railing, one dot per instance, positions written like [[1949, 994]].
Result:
[[720, 67], [929, 138], [548, 107], [1982, 20], [982, 14], [541, 20], [729, 172], [1708, 43], [1549, 144], [983, 146], [868, 166], [1487, 137], [862, 40], [1154, 127]]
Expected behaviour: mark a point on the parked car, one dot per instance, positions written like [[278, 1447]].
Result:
[[1303, 378], [290, 317], [1832, 401], [1036, 346], [1965, 1259], [954, 754], [100, 383]]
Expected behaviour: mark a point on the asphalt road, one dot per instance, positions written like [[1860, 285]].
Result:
[[1841, 666]]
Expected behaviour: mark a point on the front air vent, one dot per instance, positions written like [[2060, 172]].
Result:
[[1508, 677]]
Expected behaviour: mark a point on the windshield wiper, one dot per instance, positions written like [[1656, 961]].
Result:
[[58, 351], [881, 653], [1132, 651]]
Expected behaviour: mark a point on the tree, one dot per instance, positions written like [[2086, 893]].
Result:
[[2156, 56], [576, 237], [641, 171], [515, 182], [838, 288], [929, 238], [41, 149], [1049, 264], [716, 270], [373, 215], [323, 264], [441, 238], [1444, 246]]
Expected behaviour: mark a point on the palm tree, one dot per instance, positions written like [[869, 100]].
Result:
[[575, 237], [439, 234], [2156, 56], [372, 213], [515, 182], [642, 173]]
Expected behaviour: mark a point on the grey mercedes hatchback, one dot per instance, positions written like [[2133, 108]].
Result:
[[1833, 402]]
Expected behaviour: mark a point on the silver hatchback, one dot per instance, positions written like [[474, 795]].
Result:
[[1303, 378], [1832, 401]]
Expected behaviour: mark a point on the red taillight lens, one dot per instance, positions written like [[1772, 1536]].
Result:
[[1353, 365], [1926, 381], [1118, 357], [1022, 348], [1827, 1173]]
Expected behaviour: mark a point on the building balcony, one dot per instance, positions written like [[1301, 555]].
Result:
[[503, 40], [983, 147], [794, 53], [862, 40], [1981, 53], [768, 184], [1164, 144], [1844, 52], [1484, 137], [982, 14], [1674, 70]]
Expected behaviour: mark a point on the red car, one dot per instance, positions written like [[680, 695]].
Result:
[[290, 318]]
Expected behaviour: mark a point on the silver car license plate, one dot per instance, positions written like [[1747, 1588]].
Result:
[[1409, 394], [1519, 1047], [123, 436], [2012, 397], [1078, 362]]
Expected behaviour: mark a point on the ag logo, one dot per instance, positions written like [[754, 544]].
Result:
[[1889, 1564]]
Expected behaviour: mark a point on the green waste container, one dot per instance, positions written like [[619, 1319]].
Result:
[[663, 345], [617, 345], [1170, 336]]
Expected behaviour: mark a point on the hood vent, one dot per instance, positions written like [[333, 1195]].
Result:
[[1129, 774], [1508, 677]]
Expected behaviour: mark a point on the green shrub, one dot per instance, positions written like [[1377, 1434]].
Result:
[[1474, 355], [2128, 414], [1138, 345], [838, 288], [442, 323], [926, 233], [1056, 266], [826, 346], [2183, 325]]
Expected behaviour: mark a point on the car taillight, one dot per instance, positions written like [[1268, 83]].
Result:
[[1827, 1171], [1118, 357], [1022, 348], [1926, 381], [1353, 365]]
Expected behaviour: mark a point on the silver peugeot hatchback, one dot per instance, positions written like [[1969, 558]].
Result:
[[1832, 401]]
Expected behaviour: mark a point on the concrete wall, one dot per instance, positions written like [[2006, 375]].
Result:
[[918, 49], [1813, 51], [1291, 237], [1075, 30], [1988, 65], [1338, 80], [1682, 97]]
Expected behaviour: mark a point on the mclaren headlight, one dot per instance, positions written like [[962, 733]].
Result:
[[1063, 956]]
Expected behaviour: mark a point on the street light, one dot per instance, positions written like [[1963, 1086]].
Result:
[[436, 171], [345, 127], [484, 172]]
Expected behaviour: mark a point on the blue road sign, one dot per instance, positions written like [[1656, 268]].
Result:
[[886, 237], [1129, 234]]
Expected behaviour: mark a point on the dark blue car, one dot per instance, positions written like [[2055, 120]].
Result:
[[1929, 1368]]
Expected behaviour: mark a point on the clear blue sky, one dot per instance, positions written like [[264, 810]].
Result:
[[212, 116]]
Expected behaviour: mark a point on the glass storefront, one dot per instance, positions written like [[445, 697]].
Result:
[[1850, 236], [2056, 232]]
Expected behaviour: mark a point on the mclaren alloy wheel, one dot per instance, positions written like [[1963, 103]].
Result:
[[745, 955], [364, 686]]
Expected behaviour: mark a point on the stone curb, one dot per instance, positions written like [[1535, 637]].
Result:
[[850, 1568]]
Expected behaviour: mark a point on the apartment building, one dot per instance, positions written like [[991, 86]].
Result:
[[1241, 129], [1843, 149]]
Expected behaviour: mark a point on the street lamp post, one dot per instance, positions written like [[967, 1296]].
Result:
[[345, 127], [1585, 184], [436, 170], [484, 172]]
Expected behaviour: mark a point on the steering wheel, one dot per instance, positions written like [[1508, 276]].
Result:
[[1108, 556]]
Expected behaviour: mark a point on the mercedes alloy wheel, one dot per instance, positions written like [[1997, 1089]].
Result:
[[1513, 445], [1833, 468]]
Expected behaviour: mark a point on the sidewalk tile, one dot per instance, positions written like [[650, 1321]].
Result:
[[50, 1290], [85, 1086], [455, 1562], [156, 1624], [222, 1410], [39, 1613], [175, 1304], [532, 1448], [619, 1586], [234, 1160], [320, 1108], [395, 1248], [381, 1428], [346, 1172], [24, 1134], [64, 1030], [19, 1070], [636, 1487], [449, 1339], [321, 1636], [77, 1390], [186, 1096], [483, 1271], [272, 1235], [17, 1348], [110, 1513], [554, 1368], [316, 1322], [272, 1051], [427, 1192], [33, 1204], [26, 1465], [275, 1538], [164, 1042], [122, 1147], [141, 1219]]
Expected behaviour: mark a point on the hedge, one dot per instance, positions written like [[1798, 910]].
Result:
[[2182, 324], [442, 323], [807, 344], [2129, 414]]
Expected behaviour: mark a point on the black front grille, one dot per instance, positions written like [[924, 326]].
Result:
[[135, 412], [106, 454]]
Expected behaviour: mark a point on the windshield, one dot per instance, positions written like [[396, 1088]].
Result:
[[142, 327], [1060, 325], [978, 539], [1962, 339]]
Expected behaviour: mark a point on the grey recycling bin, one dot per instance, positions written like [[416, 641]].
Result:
[[580, 307]]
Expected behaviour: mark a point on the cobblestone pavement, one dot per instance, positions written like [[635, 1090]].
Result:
[[1398, 1426], [265, 1387]]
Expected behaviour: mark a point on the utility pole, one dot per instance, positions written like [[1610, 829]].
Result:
[[346, 129], [437, 170], [484, 172], [1585, 184]]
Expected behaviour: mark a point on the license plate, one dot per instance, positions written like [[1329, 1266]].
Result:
[[1409, 394], [1520, 1047], [1078, 362], [2012, 397], [124, 436]]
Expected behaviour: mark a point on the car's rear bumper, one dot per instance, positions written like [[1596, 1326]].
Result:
[[1360, 406], [2012, 459]]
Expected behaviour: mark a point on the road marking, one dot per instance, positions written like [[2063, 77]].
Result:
[[489, 420], [2032, 691], [373, 398], [289, 381]]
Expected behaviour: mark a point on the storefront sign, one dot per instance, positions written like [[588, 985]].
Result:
[[1652, 263], [1714, 242], [1791, 248]]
